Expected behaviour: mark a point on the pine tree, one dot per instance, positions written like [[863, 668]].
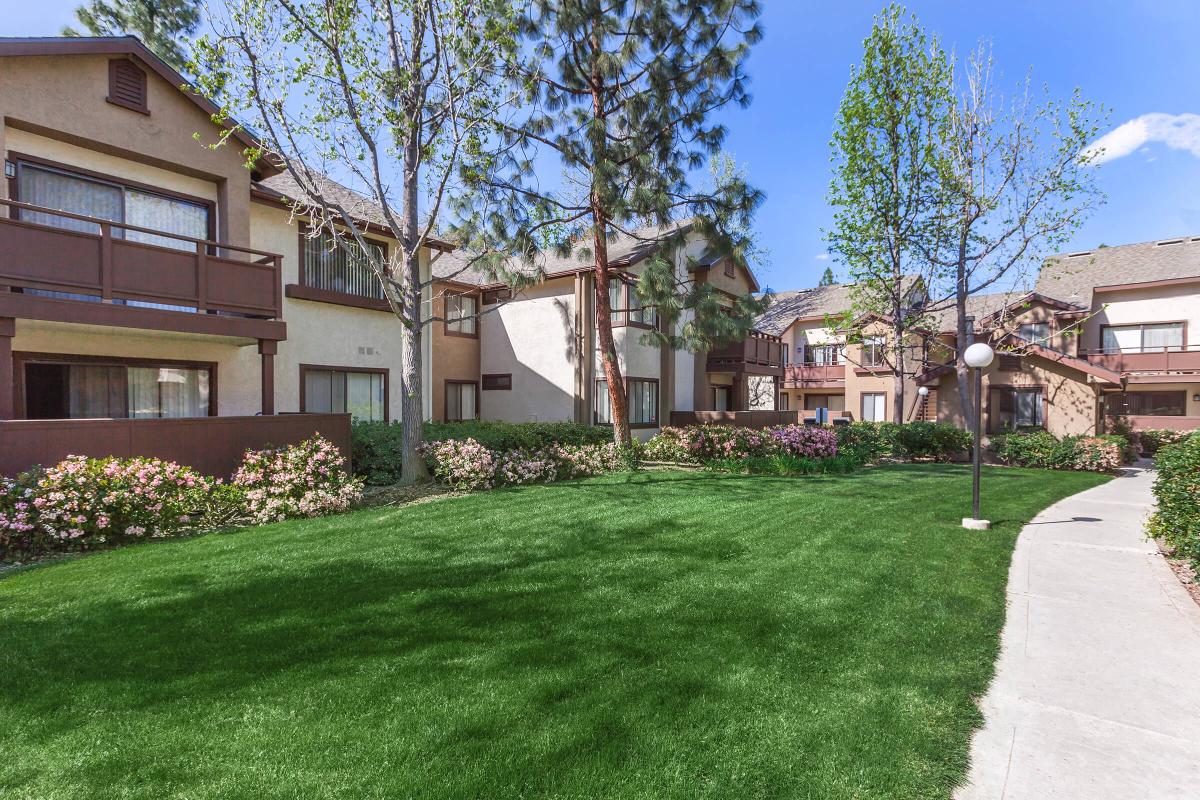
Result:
[[827, 278], [160, 24], [623, 94]]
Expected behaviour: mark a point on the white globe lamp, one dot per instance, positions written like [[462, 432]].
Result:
[[979, 355]]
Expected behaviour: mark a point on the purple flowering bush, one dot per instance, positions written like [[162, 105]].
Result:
[[467, 464], [83, 502], [303, 480], [700, 444]]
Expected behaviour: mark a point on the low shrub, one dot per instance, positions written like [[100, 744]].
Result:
[[82, 503], [935, 440], [469, 465], [1152, 441], [1176, 519], [785, 464], [865, 442], [699, 444], [303, 480], [1042, 450], [375, 449]]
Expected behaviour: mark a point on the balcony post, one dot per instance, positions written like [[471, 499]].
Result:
[[267, 348], [106, 260], [8, 329], [201, 277]]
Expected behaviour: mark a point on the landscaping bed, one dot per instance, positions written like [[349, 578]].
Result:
[[637, 635]]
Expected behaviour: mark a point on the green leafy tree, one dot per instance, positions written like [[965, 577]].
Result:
[[827, 278], [622, 95], [890, 127], [162, 25], [390, 96]]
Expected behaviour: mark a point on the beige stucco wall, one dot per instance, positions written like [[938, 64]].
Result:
[[1161, 304], [531, 337], [63, 97], [238, 364]]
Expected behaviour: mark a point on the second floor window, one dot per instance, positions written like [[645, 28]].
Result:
[[625, 307], [338, 264], [824, 354], [1149, 338], [1037, 332], [460, 314], [874, 351]]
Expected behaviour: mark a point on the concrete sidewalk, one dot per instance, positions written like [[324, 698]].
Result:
[[1097, 690]]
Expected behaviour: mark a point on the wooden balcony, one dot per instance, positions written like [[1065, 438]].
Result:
[[210, 277], [1159, 360], [757, 354], [814, 376]]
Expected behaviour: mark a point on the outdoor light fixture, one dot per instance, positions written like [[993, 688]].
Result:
[[977, 356], [923, 391]]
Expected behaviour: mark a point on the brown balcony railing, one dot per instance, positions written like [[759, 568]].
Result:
[[109, 266], [1159, 359], [760, 351], [809, 374]]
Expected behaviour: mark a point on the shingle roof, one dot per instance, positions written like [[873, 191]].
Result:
[[358, 205], [1073, 276], [978, 306], [787, 306]]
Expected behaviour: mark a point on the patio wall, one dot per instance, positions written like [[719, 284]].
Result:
[[212, 445]]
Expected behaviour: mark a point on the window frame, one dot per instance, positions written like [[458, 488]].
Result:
[[992, 413], [474, 317], [496, 378], [21, 359], [1043, 341], [622, 315], [446, 399], [384, 371], [876, 345], [628, 380], [1141, 326], [862, 405]]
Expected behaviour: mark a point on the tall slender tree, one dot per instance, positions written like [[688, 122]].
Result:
[[623, 95], [162, 25], [390, 96], [827, 278], [890, 127]]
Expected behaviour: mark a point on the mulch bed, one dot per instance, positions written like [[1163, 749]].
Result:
[[1183, 570]]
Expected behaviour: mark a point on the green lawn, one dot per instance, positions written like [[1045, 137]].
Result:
[[656, 635]]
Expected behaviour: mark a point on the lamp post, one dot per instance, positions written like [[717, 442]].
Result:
[[977, 356]]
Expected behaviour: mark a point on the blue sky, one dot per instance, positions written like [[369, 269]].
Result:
[[1136, 58]]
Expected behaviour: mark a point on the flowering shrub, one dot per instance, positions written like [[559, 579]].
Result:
[[1152, 440], [1098, 453], [304, 480], [1043, 450], [805, 441], [1176, 519], [699, 444], [82, 502], [468, 464]]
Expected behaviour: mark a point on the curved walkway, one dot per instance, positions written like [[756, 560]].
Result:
[[1097, 689]]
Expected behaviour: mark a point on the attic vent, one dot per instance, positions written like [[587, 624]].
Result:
[[127, 85], [1166, 242], [1080, 253]]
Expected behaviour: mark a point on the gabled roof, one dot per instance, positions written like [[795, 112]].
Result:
[[115, 46], [816, 303], [1074, 276]]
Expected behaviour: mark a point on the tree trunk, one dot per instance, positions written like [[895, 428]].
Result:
[[617, 399], [898, 363]]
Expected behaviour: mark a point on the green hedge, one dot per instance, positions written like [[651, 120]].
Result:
[[871, 441], [1177, 490], [1043, 450], [375, 446], [1152, 441]]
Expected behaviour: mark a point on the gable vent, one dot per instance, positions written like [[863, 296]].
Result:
[[127, 85], [1166, 242]]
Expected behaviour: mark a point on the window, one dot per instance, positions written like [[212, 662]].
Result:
[[1038, 332], [461, 400], [74, 193], [874, 351], [825, 354], [1149, 404], [460, 315], [643, 402], [493, 382], [127, 85], [783, 401], [1152, 338], [1011, 408], [874, 407], [601, 406], [625, 307], [336, 390], [76, 387], [638, 313], [722, 396], [338, 264], [834, 402]]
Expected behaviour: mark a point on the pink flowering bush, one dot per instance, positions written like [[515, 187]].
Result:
[[304, 480], [805, 441], [84, 502], [467, 464]]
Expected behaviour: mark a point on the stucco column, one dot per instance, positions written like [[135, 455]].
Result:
[[267, 348], [8, 329]]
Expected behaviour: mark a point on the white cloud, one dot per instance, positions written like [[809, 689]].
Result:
[[1176, 131], [822, 256]]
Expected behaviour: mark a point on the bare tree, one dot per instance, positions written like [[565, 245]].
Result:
[[390, 96]]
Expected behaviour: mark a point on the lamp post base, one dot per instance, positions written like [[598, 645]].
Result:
[[972, 524]]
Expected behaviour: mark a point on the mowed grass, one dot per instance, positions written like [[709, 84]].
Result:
[[653, 635]]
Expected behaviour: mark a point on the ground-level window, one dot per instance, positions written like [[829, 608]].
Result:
[[1013, 407], [1149, 404], [461, 397], [1152, 338], [834, 402], [79, 387], [344, 390], [783, 400], [643, 402], [722, 395], [874, 407]]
